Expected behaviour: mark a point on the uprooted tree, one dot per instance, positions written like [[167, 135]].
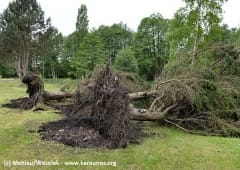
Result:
[[195, 98]]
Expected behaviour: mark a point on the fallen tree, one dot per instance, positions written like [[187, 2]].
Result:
[[197, 98]]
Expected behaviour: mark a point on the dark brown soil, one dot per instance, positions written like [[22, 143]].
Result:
[[80, 133]]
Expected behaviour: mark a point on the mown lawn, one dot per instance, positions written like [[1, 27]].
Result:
[[169, 149]]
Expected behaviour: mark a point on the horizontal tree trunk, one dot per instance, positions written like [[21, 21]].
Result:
[[57, 95], [135, 113], [62, 95], [146, 115], [141, 95]]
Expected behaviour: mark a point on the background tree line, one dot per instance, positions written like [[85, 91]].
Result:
[[28, 41]]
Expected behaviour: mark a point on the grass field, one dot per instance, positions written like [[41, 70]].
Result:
[[169, 149]]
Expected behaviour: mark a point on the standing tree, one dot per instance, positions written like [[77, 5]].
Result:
[[21, 25], [82, 19], [48, 53], [195, 24], [115, 38], [126, 61], [90, 54], [151, 48], [81, 27], [73, 41]]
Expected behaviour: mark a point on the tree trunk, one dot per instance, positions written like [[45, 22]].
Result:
[[141, 95], [196, 38], [146, 115], [57, 95], [22, 61], [61, 95]]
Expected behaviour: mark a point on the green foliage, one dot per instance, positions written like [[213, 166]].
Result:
[[7, 71], [230, 35], [21, 25], [81, 27], [150, 46], [89, 54], [195, 25], [115, 38], [82, 19], [227, 60], [48, 55], [212, 91], [126, 61], [72, 42]]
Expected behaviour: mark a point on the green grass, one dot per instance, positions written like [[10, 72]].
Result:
[[169, 149]]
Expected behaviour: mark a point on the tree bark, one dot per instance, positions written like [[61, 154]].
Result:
[[141, 95], [57, 95], [147, 115], [61, 95], [22, 60]]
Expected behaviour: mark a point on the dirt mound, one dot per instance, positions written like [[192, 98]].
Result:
[[80, 133]]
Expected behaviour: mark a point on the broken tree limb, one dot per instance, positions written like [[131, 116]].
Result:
[[146, 115], [142, 95]]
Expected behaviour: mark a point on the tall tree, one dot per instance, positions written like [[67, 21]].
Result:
[[115, 38], [81, 26], [126, 61], [90, 54], [47, 58], [73, 41], [21, 25], [82, 19], [151, 47], [195, 24]]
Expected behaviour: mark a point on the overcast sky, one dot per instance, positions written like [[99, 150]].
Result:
[[106, 12]]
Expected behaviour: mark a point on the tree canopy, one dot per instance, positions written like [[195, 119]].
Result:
[[151, 46], [21, 25], [195, 25]]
